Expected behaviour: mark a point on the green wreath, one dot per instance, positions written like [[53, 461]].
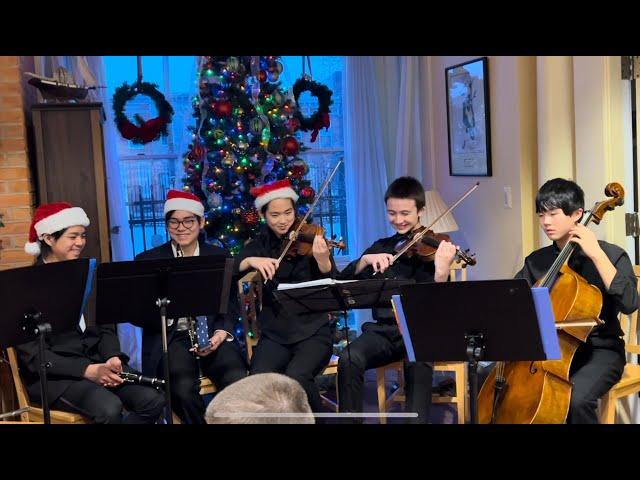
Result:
[[320, 118], [145, 131]]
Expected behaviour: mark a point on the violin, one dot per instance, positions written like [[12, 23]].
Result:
[[303, 242], [426, 247]]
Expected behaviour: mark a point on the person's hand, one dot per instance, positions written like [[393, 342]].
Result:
[[321, 253], [115, 364], [214, 342], [320, 249], [101, 374], [587, 240], [445, 255], [379, 261], [265, 265]]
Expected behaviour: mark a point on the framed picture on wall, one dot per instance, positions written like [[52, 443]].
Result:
[[468, 124]]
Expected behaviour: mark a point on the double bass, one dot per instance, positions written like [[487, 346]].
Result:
[[540, 391]]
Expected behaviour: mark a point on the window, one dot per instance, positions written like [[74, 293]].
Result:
[[328, 149], [149, 171]]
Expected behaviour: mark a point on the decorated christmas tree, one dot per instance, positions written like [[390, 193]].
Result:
[[244, 137]]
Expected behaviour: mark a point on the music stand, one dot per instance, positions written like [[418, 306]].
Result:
[[138, 291], [337, 295], [340, 295], [40, 300], [495, 320]]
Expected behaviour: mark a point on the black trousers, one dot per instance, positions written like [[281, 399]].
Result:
[[144, 404], [597, 366], [223, 366], [302, 361], [373, 349]]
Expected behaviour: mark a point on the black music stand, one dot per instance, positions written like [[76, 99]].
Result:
[[40, 300], [341, 296], [495, 320], [138, 291]]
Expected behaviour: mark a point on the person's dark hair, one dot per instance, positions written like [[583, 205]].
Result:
[[560, 193], [263, 210], [45, 249], [406, 187]]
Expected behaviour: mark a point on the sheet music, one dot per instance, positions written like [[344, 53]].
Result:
[[313, 283]]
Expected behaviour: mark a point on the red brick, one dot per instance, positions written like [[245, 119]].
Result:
[[11, 131], [18, 186], [17, 241], [12, 144], [16, 213], [9, 75], [15, 200], [10, 88], [15, 115], [14, 255], [10, 101], [9, 61], [15, 228], [14, 173], [19, 159]]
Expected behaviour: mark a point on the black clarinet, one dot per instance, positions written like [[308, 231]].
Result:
[[141, 379]]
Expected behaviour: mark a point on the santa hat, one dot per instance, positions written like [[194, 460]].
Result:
[[179, 200], [51, 218], [280, 189]]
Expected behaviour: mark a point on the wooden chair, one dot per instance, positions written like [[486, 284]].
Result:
[[457, 273], [250, 296], [630, 381], [35, 414]]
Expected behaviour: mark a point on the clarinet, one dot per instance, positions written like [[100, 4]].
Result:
[[193, 336], [141, 379]]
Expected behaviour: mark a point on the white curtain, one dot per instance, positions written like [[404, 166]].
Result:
[[386, 136], [121, 247]]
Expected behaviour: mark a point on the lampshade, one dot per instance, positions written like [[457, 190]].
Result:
[[435, 206]]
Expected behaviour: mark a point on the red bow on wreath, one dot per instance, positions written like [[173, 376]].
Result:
[[323, 122], [146, 132]]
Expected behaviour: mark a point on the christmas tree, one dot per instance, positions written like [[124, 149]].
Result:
[[244, 137]]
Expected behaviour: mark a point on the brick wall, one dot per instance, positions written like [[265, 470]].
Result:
[[17, 192]]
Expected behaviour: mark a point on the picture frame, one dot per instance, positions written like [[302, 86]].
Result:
[[468, 118]]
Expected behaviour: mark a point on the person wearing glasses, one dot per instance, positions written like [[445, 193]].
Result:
[[221, 360]]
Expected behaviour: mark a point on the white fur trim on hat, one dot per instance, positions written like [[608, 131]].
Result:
[[184, 204], [286, 192], [69, 217]]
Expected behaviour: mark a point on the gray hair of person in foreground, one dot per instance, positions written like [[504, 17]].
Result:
[[261, 398]]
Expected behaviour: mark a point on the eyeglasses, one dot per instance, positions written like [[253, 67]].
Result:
[[187, 223]]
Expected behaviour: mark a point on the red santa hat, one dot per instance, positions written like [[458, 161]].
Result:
[[51, 218], [280, 189], [180, 200]]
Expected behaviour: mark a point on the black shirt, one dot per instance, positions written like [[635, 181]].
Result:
[[404, 268], [622, 295], [275, 322]]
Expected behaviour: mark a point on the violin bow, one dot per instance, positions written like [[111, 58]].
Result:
[[293, 235], [418, 236]]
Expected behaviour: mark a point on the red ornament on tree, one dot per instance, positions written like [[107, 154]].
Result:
[[307, 192], [250, 217], [290, 146], [222, 108], [292, 124], [297, 171], [262, 76]]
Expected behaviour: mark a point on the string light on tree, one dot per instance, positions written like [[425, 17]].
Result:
[[245, 127]]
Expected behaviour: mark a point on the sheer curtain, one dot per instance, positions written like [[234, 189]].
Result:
[[121, 248], [386, 136]]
